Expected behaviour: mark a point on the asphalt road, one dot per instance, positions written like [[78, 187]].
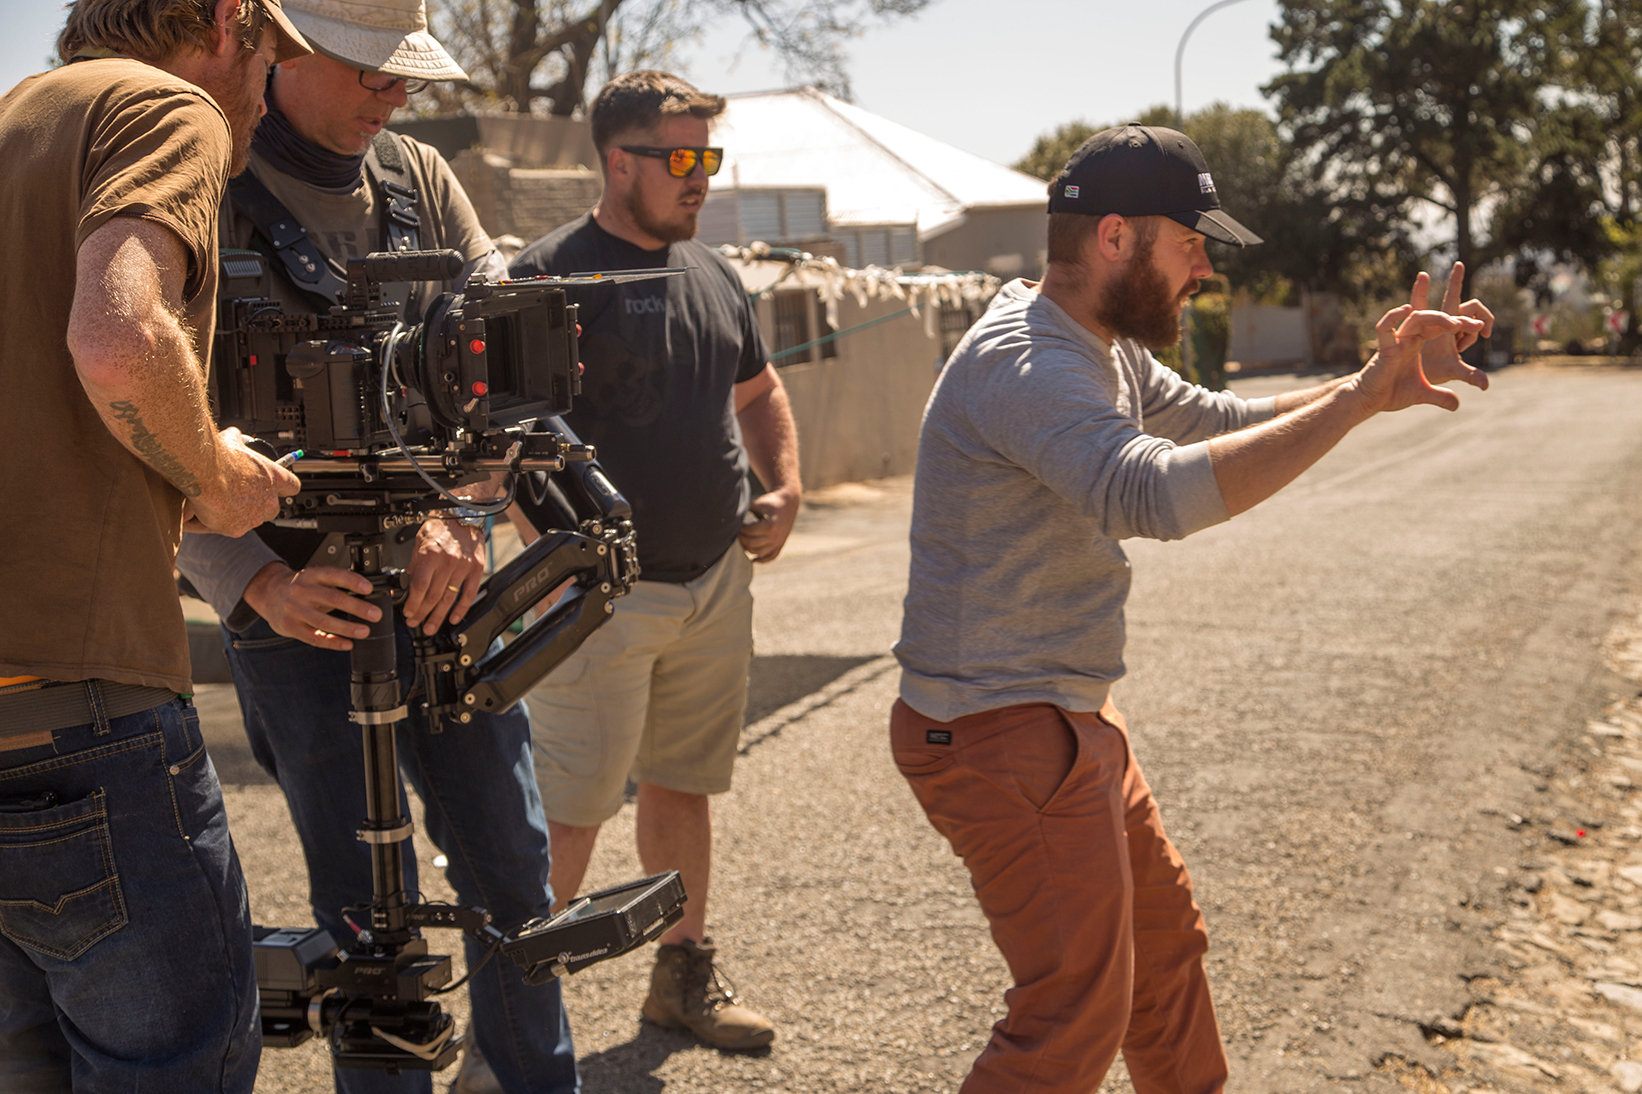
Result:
[[1352, 703]]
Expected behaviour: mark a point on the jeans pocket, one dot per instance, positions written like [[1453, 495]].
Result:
[[195, 792], [59, 888]]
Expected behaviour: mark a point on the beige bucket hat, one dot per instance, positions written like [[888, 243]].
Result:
[[377, 35], [289, 41]]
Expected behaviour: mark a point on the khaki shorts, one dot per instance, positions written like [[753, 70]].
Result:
[[658, 693]]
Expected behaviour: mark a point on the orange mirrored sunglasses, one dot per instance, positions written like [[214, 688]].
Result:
[[681, 161]]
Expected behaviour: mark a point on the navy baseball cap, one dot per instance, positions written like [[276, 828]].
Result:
[[1141, 171]]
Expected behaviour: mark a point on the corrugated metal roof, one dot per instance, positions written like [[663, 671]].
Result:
[[876, 171]]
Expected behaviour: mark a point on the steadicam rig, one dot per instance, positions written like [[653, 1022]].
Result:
[[375, 1000], [391, 419]]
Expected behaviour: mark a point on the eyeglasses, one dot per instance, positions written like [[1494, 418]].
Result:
[[381, 81], [681, 161]]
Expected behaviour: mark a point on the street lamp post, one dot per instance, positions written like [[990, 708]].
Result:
[[1180, 53]]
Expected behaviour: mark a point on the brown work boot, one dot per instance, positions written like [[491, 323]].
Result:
[[687, 992]]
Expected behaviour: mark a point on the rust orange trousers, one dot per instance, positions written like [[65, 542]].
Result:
[[1087, 898]]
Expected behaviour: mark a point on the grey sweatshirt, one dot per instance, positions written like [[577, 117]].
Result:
[[1042, 447]]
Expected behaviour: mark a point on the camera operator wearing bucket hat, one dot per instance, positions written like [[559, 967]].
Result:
[[1052, 435], [324, 156]]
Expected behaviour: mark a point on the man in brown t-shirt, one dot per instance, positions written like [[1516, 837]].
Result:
[[125, 956]]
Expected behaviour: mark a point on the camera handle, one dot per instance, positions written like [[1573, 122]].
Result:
[[377, 709], [375, 1005]]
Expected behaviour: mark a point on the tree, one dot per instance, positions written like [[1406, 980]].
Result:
[[1559, 207], [1050, 152], [1396, 102], [544, 56], [1247, 161], [1606, 77]]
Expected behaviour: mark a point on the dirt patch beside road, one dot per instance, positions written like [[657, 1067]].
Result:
[[1564, 1012]]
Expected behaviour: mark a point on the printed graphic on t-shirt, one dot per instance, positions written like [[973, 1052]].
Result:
[[618, 382], [662, 358], [639, 306]]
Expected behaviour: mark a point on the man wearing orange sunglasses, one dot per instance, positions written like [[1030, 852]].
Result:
[[681, 162], [679, 398]]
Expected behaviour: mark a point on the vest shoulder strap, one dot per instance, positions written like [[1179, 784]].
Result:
[[287, 242], [388, 171]]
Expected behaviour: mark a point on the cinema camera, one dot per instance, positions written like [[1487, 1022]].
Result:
[[363, 394], [391, 418]]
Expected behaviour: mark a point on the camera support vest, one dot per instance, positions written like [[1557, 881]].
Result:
[[288, 243]]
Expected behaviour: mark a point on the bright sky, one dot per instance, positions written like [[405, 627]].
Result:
[[989, 76]]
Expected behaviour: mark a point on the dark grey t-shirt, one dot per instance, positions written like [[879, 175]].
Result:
[[661, 360]]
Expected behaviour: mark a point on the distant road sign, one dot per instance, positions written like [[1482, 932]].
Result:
[[1540, 325], [1618, 321]]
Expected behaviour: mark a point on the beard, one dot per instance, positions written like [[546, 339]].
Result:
[[1141, 305], [241, 102], [680, 227]]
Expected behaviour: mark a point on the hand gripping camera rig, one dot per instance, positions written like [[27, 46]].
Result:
[[392, 417]]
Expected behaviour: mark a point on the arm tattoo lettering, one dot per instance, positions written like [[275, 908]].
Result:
[[150, 449]]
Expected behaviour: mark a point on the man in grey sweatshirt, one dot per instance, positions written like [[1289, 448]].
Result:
[[1052, 434]]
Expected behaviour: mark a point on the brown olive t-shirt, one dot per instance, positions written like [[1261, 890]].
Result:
[[85, 575]]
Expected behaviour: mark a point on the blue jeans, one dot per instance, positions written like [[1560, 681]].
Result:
[[484, 812], [125, 961]]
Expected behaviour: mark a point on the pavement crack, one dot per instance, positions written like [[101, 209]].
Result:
[[771, 725]]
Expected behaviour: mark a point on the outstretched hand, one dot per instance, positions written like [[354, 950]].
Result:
[[1420, 348], [1394, 378], [1440, 358]]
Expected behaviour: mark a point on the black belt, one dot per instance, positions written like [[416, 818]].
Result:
[[29, 714]]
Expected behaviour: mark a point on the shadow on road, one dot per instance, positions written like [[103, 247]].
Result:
[[775, 682], [780, 679], [631, 1067]]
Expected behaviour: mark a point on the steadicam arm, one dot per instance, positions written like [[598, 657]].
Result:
[[462, 668]]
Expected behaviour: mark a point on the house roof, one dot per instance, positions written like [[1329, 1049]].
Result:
[[875, 171]]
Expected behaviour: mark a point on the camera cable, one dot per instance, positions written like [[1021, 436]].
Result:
[[390, 353]]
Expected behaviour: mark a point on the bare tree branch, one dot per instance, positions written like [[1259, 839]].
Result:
[[547, 55]]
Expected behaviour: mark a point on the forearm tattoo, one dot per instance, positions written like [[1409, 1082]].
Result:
[[150, 449]]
